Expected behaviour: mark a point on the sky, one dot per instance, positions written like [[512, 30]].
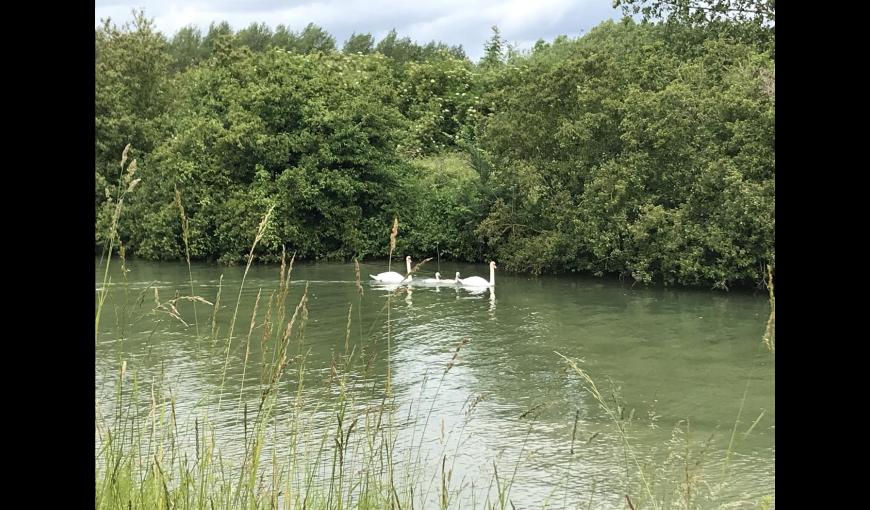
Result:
[[465, 22]]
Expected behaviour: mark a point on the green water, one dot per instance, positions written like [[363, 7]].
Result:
[[671, 356]]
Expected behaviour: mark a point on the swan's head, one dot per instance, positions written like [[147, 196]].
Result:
[[437, 275], [492, 265], [408, 258], [457, 275]]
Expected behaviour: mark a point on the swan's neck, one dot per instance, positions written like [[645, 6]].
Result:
[[491, 276], [408, 265]]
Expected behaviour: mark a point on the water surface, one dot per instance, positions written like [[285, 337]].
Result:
[[670, 356]]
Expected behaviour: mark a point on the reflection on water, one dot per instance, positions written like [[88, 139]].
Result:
[[506, 398]]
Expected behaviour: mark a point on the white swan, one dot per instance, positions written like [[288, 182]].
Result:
[[392, 276], [435, 280], [476, 281], [451, 281]]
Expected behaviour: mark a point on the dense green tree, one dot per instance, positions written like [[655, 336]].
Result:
[[706, 12], [131, 94], [315, 134], [399, 51], [186, 48], [625, 158], [359, 43], [216, 32], [645, 150], [257, 37], [314, 39], [284, 38], [435, 50], [445, 206], [438, 96], [131, 89], [747, 21], [494, 50]]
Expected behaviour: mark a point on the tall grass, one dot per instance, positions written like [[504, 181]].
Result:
[[684, 478], [126, 185], [185, 236], [769, 338], [144, 461]]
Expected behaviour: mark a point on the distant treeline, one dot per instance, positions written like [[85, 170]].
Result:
[[644, 149]]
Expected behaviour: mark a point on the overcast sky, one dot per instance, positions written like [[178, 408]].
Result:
[[465, 22]]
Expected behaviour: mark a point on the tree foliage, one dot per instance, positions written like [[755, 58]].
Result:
[[640, 149]]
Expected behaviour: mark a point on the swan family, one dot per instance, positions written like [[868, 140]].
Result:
[[473, 281]]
